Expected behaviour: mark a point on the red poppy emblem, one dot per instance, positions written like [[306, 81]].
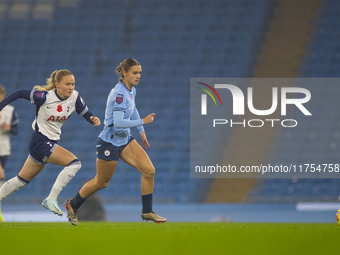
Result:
[[59, 108]]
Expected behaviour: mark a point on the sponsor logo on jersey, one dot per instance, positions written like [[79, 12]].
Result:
[[57, 118]]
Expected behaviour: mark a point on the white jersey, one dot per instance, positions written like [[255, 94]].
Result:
[[6, 115], [52, 111]]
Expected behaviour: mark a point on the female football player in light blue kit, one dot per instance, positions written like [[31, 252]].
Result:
[[115, 142], [54, 102]]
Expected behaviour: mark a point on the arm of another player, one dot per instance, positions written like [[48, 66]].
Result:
[[13, 127], [83, 110], [95, 121]]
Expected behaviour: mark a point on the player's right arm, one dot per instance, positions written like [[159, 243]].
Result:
[[36, 97], [149, 118], [23, 93]]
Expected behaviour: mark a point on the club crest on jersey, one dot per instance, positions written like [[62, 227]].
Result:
[[119, 98], [59, 108]]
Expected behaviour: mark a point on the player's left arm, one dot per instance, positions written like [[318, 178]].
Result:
[[145, 141], [135, 115], [83, 110]]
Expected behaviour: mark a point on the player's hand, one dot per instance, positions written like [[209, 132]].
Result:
[[145, 142], [5, 127], [148, 119], [95, 121]]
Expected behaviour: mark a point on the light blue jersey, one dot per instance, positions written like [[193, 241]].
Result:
[[120, 115]]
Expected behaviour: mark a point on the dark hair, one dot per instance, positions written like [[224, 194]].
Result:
[[126, 65]]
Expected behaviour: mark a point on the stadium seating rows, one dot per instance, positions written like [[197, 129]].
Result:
[[303, 146], [174, 40]]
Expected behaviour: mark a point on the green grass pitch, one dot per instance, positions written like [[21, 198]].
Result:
[[169, 238]]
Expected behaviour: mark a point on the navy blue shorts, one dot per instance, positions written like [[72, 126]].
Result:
[[40, 148], [107, 151], [3, 160]]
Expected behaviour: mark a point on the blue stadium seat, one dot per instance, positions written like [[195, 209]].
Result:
[[181, 39]]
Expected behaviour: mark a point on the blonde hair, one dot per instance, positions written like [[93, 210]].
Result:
[[56, 76], [2, 90], [125, 65]]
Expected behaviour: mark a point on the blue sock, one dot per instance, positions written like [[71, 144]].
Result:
[[147, 203], [77, 201]]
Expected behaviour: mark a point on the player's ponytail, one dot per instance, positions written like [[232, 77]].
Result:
[[125, 66], [2, 90], [56, 76]]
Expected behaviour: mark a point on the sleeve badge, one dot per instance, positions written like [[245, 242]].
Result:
[[119, 98]]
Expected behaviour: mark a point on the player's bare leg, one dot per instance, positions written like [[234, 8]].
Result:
[[105, 170], [30, 169], [26, 174], [135, 156], [2, 176]]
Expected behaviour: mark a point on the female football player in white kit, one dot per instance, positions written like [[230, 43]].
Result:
[[115, 141], [8, 126], [54, 102]]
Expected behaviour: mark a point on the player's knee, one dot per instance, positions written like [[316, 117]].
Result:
[[102, 185], [74, 166], [149, 173]]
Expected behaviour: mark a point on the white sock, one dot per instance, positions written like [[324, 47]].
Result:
[[64, 178], [11, 186]]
